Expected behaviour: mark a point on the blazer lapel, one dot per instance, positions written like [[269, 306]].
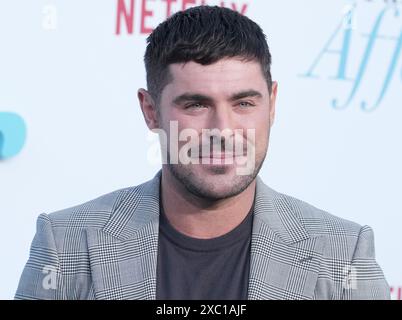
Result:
[[123, 255], [285, 260]]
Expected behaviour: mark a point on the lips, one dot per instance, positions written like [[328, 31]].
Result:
[[222, 156], [219, 156]]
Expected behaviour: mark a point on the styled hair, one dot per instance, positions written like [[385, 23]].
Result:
[[203, 34]]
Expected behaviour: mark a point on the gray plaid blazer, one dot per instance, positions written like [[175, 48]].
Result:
[[107, 249]]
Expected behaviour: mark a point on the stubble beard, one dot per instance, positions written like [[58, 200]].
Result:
[[202, 188]]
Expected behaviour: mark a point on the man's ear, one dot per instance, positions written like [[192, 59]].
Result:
[[272, 102], [148, 108]]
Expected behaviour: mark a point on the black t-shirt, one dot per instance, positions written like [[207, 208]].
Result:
[[204, 269]]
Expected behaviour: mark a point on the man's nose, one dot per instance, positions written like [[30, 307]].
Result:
[[222, 126], [221, 119]]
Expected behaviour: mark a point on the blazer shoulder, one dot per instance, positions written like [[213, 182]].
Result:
[[93, 213], [318, 221]]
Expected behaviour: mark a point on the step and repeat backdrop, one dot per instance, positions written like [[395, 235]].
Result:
[[71, 128]]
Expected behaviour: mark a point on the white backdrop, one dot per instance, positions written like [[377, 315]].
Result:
[[71, 69]]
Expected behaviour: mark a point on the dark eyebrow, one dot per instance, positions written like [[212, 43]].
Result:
[[246, 94], [192, 97], [200, 97]]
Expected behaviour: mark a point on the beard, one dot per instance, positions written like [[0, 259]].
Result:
[[220, 182]]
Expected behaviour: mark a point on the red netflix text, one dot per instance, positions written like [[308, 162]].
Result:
[[138, 16]]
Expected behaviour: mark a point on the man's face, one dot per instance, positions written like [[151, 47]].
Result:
[[229, 94]]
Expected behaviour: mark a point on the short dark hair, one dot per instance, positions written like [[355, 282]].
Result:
[[203, 34]]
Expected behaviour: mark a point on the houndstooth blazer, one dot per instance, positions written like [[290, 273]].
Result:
[[107, 249]]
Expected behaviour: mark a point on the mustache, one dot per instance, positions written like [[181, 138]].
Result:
[[236, 149]]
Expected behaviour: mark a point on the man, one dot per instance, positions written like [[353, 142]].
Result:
[[202, 228]]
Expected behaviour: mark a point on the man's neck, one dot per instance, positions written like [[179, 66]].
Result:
[[202, 218]]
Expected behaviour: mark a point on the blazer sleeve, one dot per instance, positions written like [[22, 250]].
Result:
[[41, 277], [365, 279]]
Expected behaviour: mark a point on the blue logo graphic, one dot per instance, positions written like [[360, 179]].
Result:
[[346, 30], [12, 134]]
